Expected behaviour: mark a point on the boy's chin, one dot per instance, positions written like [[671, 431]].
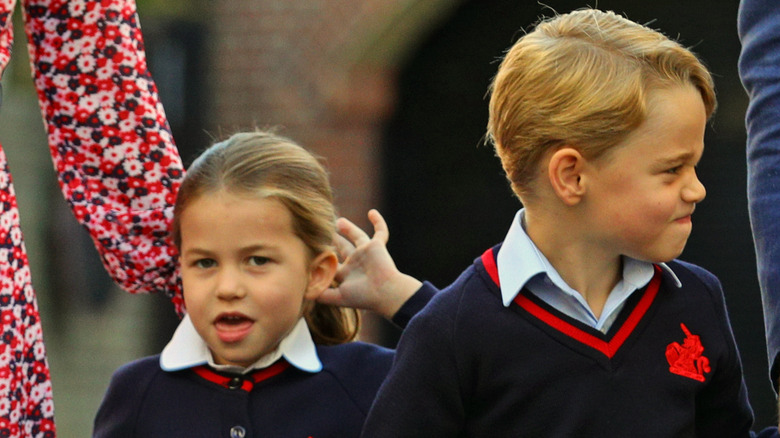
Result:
[[662, 257], [668, 257]]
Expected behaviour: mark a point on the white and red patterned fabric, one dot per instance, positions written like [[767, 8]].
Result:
[[118, 168], [26, 405], [110, 141]]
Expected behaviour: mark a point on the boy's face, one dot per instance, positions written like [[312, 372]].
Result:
[[642, 194], [245, 274]]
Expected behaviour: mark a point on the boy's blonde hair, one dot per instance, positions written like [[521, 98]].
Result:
[[264, 165], [581, 79]]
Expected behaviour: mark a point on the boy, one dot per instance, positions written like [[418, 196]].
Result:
[[574, 325]]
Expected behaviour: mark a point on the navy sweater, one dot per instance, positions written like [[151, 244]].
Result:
[[143, 401], [468, 366]]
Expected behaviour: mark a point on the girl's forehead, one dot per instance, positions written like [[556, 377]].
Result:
[[223, 210], [228, 224], [234, 196]]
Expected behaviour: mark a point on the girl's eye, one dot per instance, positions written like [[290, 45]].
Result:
[[258, 260], [205, 263]]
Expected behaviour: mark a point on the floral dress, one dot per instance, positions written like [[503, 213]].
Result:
[[111, 144], [118, 168]]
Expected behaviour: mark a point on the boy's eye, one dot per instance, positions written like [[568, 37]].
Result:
[[205, 263], [258, 260], [674, 170]]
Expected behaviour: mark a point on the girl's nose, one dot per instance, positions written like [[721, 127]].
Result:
[[229, 285]]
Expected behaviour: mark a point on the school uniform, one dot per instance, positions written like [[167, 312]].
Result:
[[300, 390], [483, 360]]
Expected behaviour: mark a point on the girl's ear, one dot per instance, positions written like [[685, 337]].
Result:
[[322, 271], [565, 171]]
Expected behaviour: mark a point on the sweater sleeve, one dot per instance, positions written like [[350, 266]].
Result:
[[414, 304], [117, 165], [759, 69], [421, 395]]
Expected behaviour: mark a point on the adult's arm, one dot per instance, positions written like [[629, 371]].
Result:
[[26, 405], [759, 69], [112, 148]]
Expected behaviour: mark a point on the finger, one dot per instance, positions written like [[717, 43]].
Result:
[[344, 247], [381, 231], [330, 296], [352, 232]]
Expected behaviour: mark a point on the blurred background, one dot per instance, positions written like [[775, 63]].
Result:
[[392, 94]]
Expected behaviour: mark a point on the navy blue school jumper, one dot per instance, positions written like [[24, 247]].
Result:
[[280, 401], [468, 366]]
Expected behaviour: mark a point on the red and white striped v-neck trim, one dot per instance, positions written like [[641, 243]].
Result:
[[608, 348]]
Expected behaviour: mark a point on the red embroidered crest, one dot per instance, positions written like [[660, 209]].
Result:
[[687, 359]]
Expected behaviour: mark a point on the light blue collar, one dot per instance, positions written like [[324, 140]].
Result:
[[187, 349], [514, 275]]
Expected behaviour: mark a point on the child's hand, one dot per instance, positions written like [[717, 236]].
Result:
[[367, 277]]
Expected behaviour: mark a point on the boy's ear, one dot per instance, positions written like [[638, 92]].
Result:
[[565, 171], [322, 271]]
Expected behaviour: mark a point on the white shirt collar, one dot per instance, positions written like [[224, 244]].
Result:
[[187, 349], [517, 245]]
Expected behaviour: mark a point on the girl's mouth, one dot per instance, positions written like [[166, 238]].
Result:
[[233, 327]]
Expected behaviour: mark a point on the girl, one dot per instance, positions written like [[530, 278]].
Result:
[[120, 171], [255, 354]]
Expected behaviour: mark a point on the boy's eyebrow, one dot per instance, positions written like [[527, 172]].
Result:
[[678, 158]]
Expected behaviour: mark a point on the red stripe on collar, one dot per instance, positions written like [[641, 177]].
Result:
[[607, 348], [245, 382], [489, 261]]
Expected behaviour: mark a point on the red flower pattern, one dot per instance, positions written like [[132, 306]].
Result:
[[117, 166], [112, 148]]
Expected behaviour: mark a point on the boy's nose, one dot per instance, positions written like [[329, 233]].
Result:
[[694, 191]]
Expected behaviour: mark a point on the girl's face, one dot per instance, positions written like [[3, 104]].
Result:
[[246, 275]]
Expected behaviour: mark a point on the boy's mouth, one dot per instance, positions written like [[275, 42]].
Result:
[[683, 219], [686, 218]]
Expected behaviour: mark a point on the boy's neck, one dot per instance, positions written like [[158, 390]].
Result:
[[586, 268]]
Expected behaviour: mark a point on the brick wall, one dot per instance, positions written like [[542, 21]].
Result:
[[310, 67]]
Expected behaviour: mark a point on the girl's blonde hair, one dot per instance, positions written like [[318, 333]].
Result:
[[582, 79], [266, 165]]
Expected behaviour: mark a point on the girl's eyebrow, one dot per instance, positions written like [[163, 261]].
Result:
[[243, 249], [256, 247], [196, 251], [251, 249]]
